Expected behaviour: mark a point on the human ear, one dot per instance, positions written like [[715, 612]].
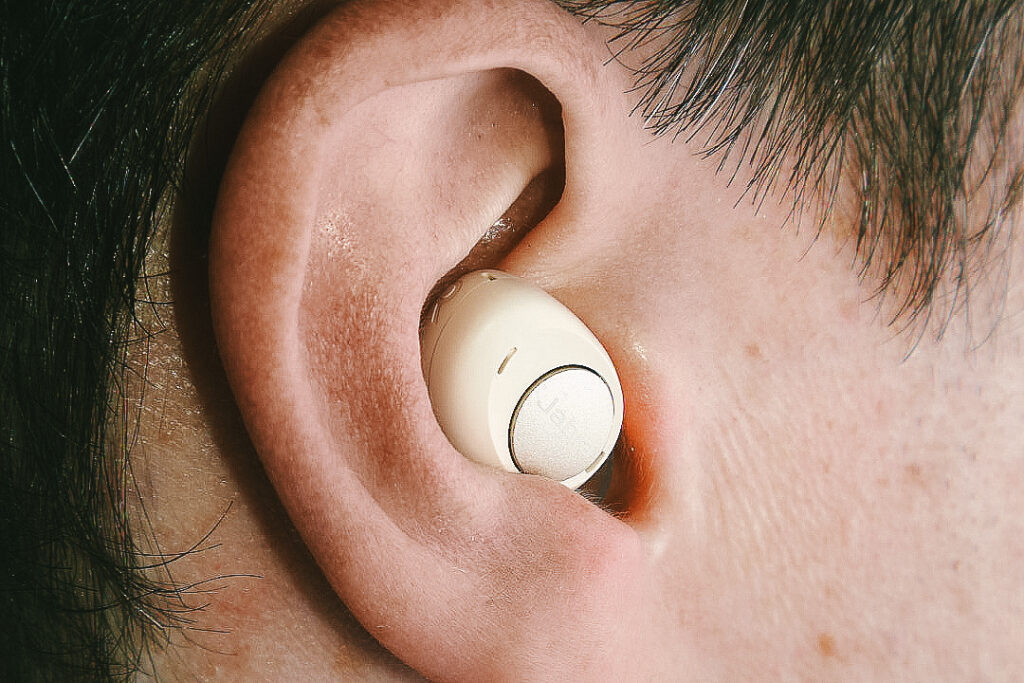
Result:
[[377, 155]]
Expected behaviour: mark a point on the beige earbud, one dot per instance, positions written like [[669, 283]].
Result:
[[517, 381]]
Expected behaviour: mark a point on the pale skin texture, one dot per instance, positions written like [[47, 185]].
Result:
[[798, 501]]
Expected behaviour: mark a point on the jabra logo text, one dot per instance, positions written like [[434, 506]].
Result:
[[559, 417]]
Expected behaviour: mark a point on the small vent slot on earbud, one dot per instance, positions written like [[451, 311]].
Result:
[[511, 353]]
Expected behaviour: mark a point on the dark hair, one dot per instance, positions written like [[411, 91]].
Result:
[[908, 102], [99, 100]]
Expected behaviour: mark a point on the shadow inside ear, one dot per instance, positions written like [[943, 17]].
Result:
[[596, 488]]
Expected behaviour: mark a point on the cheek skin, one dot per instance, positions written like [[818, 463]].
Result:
[[794, 477]]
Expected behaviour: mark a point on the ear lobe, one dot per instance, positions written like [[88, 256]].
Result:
[[378, 153]]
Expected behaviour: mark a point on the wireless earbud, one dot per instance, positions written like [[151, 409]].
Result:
[[517, 381]]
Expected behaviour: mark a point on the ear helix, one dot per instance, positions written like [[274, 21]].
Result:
[[517, 381]]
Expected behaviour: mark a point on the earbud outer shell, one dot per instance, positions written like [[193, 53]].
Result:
[[491, 339]]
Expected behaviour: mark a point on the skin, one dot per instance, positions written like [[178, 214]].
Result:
[[800, 499]]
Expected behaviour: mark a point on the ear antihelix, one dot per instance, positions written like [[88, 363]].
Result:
[[517, 381]]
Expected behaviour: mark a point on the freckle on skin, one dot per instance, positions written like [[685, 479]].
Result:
[[826, 645], [754, 351], [914, 472]]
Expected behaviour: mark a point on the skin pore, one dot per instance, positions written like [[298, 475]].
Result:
[[814, 496]]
